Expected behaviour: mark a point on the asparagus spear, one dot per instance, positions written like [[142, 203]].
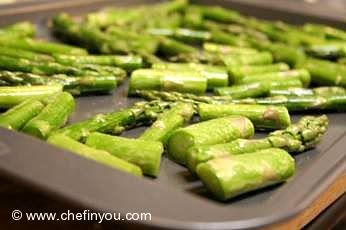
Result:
[[98, 41], [326, 72], [145, 154], [282, 52], [261, 58], [11, 96], [20, 29], [228, 128], [183, 34], [299, 137], [100, 156], [262, 116], [127, 62], [328, 51], [52, 117], [114, 122], [13, 52], [50, 68], [41, 46], [327, 31], [238, 72], [293, 103], [216, 75], [299, 74], [301, 103], [322, 91], [220, 14], [74, 85], [225, 49], [167, 122], [16, 117], [170, 47], [256, 89], [228, 177], [168, 80]]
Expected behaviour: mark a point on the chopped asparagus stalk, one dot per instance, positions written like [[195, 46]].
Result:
[[225, 129], [52, 117], [100, 156], [145, 154], [230, 176]]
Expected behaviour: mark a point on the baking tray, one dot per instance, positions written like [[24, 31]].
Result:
[[175, 199]]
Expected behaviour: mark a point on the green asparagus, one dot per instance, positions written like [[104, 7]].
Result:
[[216, 75], [262, 116], [145, 154], [256, 89], [238, 72], [230, 176], [20, 29], [16, 117], [115, 122], [127, 62], [100, 156], [167, 122], [11, 96], [74, 85], [322, 91], [41, 46], [299, 137], [326, 72], [225, 129], [299, 74], [168, 80], [52, 117]]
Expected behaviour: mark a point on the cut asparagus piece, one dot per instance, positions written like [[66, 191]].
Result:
[[127, 62], [301, 103], [74, 85], [115, 122], [227, 177], [327, 31], [168, 80], [20, 29], [13, 52], [299, 74], [167, 122], [100, 156], [322, 91], [41, 46], [145, 154], [292, 103], [238, 72], [326, 72], [11, 96], [262, 116], [283, 53], [256, 89], [328, 51], [299, 137], [225, 49], [217, 76], [170, 47], [224, 130], [51, 68], [261, 58], [183, 34], [16, 117], [52, 117]]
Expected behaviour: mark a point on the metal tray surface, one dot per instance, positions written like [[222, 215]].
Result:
[[176, 200]]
